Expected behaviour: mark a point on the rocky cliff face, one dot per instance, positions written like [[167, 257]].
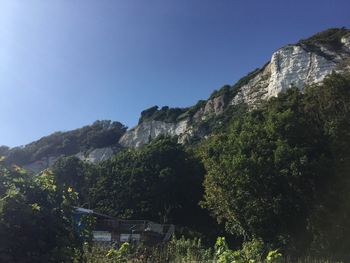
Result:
[[301, 64], [91, 143], [296, 65], [92, 156], [151, 129], [304, 63], [186, 126], [98, 154]]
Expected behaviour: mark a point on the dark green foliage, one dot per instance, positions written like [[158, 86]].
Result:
[[216, 123], [231, 91], [262, 159], [70, 172], [160, 182], [99, 134], [220, 123], [35, 219], [196, 107], [330, 106], [148, 113], [278, 177], [281, 173], [329, 38], [165, 114], [223, 91], [243, 81]]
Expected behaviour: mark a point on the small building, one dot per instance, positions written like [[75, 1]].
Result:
[[114, 230]]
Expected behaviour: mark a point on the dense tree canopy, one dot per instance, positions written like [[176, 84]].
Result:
[[160, 182], [71, 172], [36, 218], [277, 173], [99, 134]]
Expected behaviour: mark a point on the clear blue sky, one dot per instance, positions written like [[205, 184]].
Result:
[[67, 63]]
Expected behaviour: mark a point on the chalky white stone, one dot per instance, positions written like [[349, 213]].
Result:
[[292, 65]]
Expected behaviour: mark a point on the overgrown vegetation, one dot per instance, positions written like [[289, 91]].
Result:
[[99, 134], [280, 174], [277, 177], [36, 218], [165, 114], [331, 39], [192, 250], [231, 91]]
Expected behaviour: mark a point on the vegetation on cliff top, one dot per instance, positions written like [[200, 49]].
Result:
[[99, 134], [330, 38], [165, 114]]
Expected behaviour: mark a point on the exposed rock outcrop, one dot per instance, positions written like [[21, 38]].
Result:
[[97, 155], [92, 143], [307, 62], [293, 65], [148, 130], [40, 165]]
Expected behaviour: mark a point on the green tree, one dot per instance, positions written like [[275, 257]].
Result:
[[79, 175], [262, 174], [36, 219], [329, 104], [160, 182]]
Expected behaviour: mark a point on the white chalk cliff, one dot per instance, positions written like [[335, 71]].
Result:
[[307, 62], [296, 65]]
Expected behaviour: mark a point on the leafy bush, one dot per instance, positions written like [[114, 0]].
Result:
[[253, 250], [274, 256], [160, 182], [121, 255], [36, 219], [280, 173]]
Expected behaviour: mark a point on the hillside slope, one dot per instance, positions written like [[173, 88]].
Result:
[[304, 63], [96, 142]]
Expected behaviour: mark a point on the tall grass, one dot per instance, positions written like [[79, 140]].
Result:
[[189, 251]]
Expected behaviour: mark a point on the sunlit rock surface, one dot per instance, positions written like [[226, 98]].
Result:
[[307, 62], [96, 155], [292, 65], [148, 130]]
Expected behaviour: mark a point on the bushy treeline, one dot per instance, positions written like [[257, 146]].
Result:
[[99, 134], [36, 223], [282, 172], [162, 182], [277, 178]]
